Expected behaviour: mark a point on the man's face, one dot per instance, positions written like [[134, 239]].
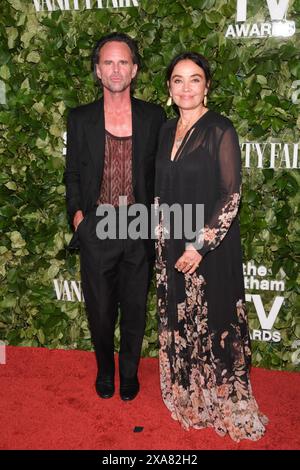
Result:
[[115, 68]]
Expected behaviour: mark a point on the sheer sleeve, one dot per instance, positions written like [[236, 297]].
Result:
[[229, 191]]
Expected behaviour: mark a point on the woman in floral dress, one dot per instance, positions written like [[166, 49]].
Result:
[[203, 332]]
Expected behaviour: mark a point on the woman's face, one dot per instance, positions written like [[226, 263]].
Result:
[[187, 85]]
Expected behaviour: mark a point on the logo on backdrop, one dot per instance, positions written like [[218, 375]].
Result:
[[275, 155], [279, 26], [257, 278], [68, 291], [53, 5]]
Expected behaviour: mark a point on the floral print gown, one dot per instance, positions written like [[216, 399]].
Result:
[[203, 332]]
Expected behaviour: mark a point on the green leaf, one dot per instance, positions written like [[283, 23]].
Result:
[[11, 185], [4, 72], [34, 57], [41, 336], [262, 80], [12, 34], [16, 4], [16, 240], [9, 302]]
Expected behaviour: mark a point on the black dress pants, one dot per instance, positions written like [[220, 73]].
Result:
[[114, 273]]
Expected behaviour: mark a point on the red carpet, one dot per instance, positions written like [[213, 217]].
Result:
[[47, 401]]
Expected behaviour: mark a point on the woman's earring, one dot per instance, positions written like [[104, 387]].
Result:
[[170, 101], [205, 100]]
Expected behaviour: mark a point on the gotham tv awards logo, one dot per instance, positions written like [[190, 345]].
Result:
[[257, 278], [279, 26]]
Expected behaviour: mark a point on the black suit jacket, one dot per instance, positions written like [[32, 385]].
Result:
[[85, 155]]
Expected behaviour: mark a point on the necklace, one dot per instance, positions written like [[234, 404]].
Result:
[[180, 134]]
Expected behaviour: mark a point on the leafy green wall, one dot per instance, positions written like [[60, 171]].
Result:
[[45, 69]]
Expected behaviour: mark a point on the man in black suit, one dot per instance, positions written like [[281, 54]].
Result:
[[111, 147]]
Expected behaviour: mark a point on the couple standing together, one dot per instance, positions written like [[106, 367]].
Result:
[[120, 146]]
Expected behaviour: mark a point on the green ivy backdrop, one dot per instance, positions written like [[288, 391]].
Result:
[[45, 70]]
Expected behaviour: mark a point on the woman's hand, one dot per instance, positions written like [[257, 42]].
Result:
[[189, 261]]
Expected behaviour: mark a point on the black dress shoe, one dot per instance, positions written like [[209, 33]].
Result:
[[129, 389], [105, 387]]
